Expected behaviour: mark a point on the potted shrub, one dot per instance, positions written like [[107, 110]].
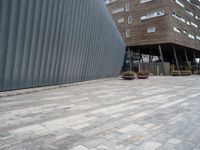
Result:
[[176, 73], [143, 75], [128, 75]]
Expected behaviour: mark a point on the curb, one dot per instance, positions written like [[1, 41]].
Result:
[[46, 88]]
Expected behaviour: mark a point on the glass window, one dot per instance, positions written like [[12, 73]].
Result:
[[130, 19], [151, 30], [127, 33]]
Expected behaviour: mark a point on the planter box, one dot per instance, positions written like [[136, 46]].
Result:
[[128, 77], [176, 74], [142, 77], [185, 74], [181, 73]]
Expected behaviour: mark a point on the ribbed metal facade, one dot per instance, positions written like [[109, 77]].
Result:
[[46, 42]]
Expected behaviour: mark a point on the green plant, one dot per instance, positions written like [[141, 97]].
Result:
[[128, 73], [143, 75], [189, 67]]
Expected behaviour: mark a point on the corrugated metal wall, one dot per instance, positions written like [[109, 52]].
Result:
[[46, 42]]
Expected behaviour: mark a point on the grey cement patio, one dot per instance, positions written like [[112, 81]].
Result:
[[159, 113]]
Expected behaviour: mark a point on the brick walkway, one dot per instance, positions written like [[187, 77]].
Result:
[[159, 113]]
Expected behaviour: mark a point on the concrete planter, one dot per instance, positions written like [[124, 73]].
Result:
[[128, 77], [142, 77], [181, 73]]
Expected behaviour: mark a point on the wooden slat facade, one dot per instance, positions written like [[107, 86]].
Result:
[[163, 24]]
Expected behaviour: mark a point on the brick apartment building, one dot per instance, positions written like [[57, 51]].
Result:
[[169, 29]]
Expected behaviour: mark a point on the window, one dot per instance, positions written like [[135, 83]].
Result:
[[110, 1], [130, 19], [120, 20], [118, 10], [188, 23], [193, 3], [127, 33], [151, 30], [127, 7], [177, 30], [179, 3], [153, 15], [178, 17], [198, 38], [184, 31], [194, 25], [144, 1], [189, 12], [191, 36]]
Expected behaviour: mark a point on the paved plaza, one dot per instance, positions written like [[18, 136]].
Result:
[[161, 113]]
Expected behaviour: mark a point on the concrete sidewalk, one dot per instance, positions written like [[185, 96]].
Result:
[[159, 113]]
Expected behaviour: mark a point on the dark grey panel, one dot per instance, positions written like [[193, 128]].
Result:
[[53, 42]]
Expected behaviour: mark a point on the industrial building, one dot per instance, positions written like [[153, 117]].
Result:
[[48, 42]]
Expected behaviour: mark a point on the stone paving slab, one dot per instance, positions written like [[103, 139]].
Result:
[[161, 113]]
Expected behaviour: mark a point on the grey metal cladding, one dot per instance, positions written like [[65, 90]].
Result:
[[47, 42]]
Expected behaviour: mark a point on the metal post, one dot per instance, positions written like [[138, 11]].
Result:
[[130, 63], [139, 56], [142, 58], [186, 57], [139, 60], [194, 55], [175, 56], [162, 59], [157, 70], [133, 59], [150, 57]]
